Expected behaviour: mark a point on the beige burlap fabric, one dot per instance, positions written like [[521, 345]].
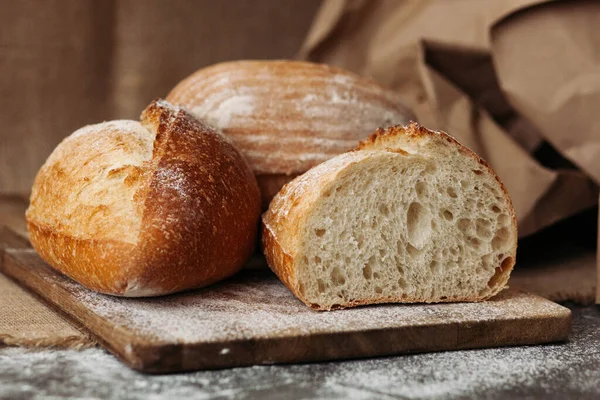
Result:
[[25, 321]]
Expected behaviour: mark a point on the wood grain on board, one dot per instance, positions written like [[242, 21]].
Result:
[[253, 319]]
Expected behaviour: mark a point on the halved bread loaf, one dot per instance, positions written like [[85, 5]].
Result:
[[288, 116], [410, 216], [145, 208]]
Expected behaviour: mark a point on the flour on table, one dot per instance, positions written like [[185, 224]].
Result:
[[260, 306], [556, 371]]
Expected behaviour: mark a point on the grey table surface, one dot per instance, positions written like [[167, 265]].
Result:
[[555, 371]]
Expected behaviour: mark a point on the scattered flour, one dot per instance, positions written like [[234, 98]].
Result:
[[259, 306], [557, 371]]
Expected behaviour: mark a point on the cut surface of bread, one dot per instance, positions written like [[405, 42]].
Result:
[[410, 216], [145, 208]]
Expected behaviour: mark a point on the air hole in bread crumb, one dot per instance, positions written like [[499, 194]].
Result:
[[420, 189], [473, 242], [376, 275], [337, 277], [499, 272], [448, 215], [503, 219], [321, 285], [435, 267], [478, 172], [378, 290], [464, 184], [394, 169], [305, 260], [434, 224], [400, 269], [317, 259], [367, 271], [402, 283], [360, 241], [483, 228], [465, 225], [451, 192], [500, 239], [506, 263], [418, 224], [443, 297], [487, 260], [496, 209], [430, 168], [412, 250], [383, 209], [320, 232]]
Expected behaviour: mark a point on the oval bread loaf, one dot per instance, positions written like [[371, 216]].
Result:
[[145, 209], [410, 216], [288, 116]]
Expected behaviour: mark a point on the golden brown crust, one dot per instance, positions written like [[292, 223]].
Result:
[[199, 208], [284, 220], [276, 256], [101, 265]]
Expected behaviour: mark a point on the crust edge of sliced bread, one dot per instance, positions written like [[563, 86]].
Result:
[[283, 222]]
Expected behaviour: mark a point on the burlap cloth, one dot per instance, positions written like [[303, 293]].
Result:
[[24, 320]]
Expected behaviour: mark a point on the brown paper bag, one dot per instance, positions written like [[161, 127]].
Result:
[[548, 62]]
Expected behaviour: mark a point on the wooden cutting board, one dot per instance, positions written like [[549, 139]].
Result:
[[254, 319]]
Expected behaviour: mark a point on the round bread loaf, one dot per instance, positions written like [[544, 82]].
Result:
[[145, 209], [288, 116]]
